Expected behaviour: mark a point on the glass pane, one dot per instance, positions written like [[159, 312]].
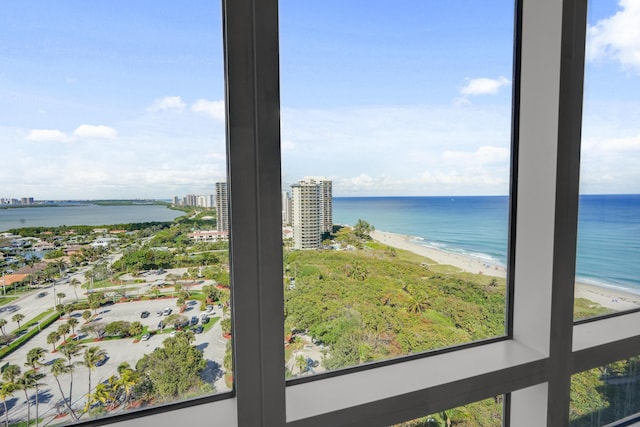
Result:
[[486, 413], [603, 395], [396, 163], [607, 274], [113, 256]]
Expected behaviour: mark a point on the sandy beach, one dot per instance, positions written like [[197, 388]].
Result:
[[611, 298]]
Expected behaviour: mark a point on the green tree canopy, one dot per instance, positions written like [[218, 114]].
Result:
[[174, 368], [363, 229]]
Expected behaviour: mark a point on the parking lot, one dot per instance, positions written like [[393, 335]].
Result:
[[211, 343]]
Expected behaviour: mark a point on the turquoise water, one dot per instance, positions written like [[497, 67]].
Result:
[[608, 231], [83, 215]]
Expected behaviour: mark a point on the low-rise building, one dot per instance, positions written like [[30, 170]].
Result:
[[209, 236]]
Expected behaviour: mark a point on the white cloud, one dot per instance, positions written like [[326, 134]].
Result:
[[214, 109], [617, 37], [286, 145], [92, 131], [622, 144], [168, 103], [47, 135], [483, 86], [401, 150], [485, 155]]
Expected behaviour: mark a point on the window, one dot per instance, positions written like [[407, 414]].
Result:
[[399, 217], [534, 366], [606, 394], [114, 259], [608, 232], [487, 413]]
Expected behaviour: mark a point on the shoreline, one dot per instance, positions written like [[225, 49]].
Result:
[[613, 299]]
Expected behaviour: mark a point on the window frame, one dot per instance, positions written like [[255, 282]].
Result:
[[533, 366]]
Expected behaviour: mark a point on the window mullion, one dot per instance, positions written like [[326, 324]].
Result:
[[253, 144], [574, 22], [540, 51]]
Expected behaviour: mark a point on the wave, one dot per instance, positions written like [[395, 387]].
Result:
[[630, 288], [482, 257]]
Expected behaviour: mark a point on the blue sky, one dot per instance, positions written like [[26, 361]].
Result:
[[122, 99]]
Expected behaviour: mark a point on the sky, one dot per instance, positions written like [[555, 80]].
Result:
[[121, 99]]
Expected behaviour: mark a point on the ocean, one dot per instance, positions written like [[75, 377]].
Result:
[[83, 214], [608, 230]]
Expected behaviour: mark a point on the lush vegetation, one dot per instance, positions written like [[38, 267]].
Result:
[[372, 304], [376, 302], [604, 395], [173, 369], [85, 230]]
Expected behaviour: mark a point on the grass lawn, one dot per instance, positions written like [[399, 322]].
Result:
[[7, 300]]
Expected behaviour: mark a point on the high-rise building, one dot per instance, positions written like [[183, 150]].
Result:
[[205, 201], [222, 206], [326, 203], [190, 200], [312, 211], [286, 208]]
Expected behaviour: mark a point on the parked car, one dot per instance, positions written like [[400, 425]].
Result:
[[199, 329], [161, 325], [205, 319], [144, 314], [194, 320], [167, 311], [145, 337], [102, 361]]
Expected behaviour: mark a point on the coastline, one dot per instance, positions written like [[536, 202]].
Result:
[[613, 299]]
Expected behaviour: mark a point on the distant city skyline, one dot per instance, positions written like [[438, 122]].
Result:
[[121, 100]]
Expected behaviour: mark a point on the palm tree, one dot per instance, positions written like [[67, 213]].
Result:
[[33, 357], [73, 322], [92, 355], [58, 367], [69, 350], [61, 296], [60, 265], [127, 381], [86, 315], [18, 317], [416, 303], [24, 384], [102, 395], [3, 323], [31, 380], [63, 330], [31, 377], [11, 372], [6, 390], [74, 284], [89, 275], [53, 338]]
